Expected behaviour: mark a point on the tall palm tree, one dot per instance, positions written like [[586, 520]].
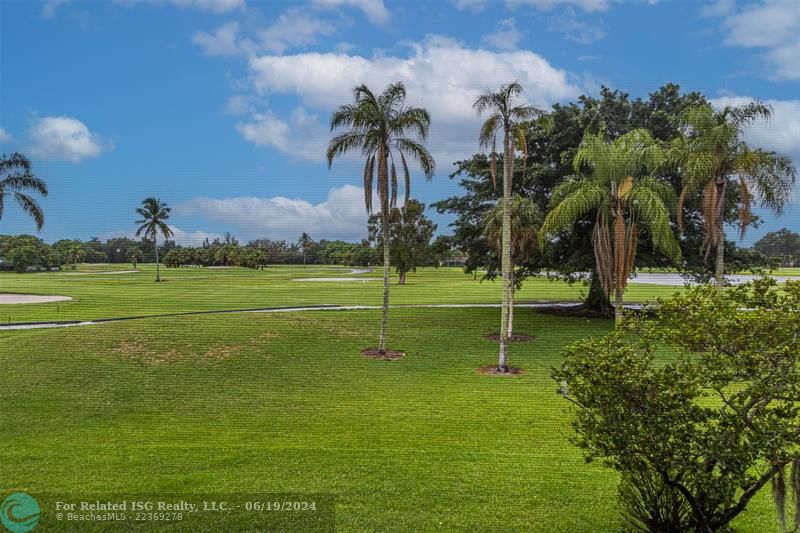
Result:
[[16, 177], [616, 185], [526, 219], [304, 242], [711, 153], [383, 128], [155, 214], [507, 118]]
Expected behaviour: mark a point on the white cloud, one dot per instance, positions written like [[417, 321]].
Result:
[[63, 138], [293, 29], [340, 216], [50, 6], [718, 8], [192, 238], [303, 136], [180, 236], [222, 42], [213, 6], [5, 136], [574, 29], [440, 74], [506, 37], [471, 5], [239, 104], [374, 10], [772, 26], [589, 6]]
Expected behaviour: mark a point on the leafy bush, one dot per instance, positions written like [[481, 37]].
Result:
[[713, 418]]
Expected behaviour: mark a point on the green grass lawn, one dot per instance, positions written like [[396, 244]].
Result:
[[258, 403], [97, 295]]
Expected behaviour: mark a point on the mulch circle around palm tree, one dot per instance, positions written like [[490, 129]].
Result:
[[514, 337], [387, 355], [492, 370]]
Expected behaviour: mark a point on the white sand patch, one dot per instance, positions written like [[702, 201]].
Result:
[[9, 299]]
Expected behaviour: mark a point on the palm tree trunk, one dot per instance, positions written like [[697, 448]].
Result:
[[158, 272], [383, 169], [719, 266], [511, 305], [385, 315], [502, 364], [618, 308]]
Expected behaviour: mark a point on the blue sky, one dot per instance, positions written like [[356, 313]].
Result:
[[219, 107]]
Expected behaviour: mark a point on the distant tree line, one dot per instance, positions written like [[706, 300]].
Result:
[[24, 253]]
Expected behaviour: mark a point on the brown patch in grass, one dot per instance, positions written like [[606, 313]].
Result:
[[492, 370], [387, 355], [515, 337], [149, 355]]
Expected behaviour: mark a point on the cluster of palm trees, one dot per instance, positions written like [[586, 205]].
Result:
[[620, 182]]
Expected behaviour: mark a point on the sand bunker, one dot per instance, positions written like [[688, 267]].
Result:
[[7, 299]]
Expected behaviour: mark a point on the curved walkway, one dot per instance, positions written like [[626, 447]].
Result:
[[300, 309]]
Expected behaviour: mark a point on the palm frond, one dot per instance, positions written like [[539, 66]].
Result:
[[30, 207], [14, 162], [23, 181], [572, 206], [407, 177], [419, 153], [343, 143], [411, 120], [651, 210], [369, 174], [393, 201], [489, 129]]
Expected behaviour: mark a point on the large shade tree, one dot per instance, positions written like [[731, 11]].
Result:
[[386, 132], [615, 184], [526, 219], [712, 157], [505, 118], [16, 181], [155, 214]]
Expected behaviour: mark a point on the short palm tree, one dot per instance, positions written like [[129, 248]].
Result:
[[75, 253], [526, 219], [507, 118], [155, 214], [382, 128], [711, 153], [134, 256], [16, 178], [305, 243], [616, 185]]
